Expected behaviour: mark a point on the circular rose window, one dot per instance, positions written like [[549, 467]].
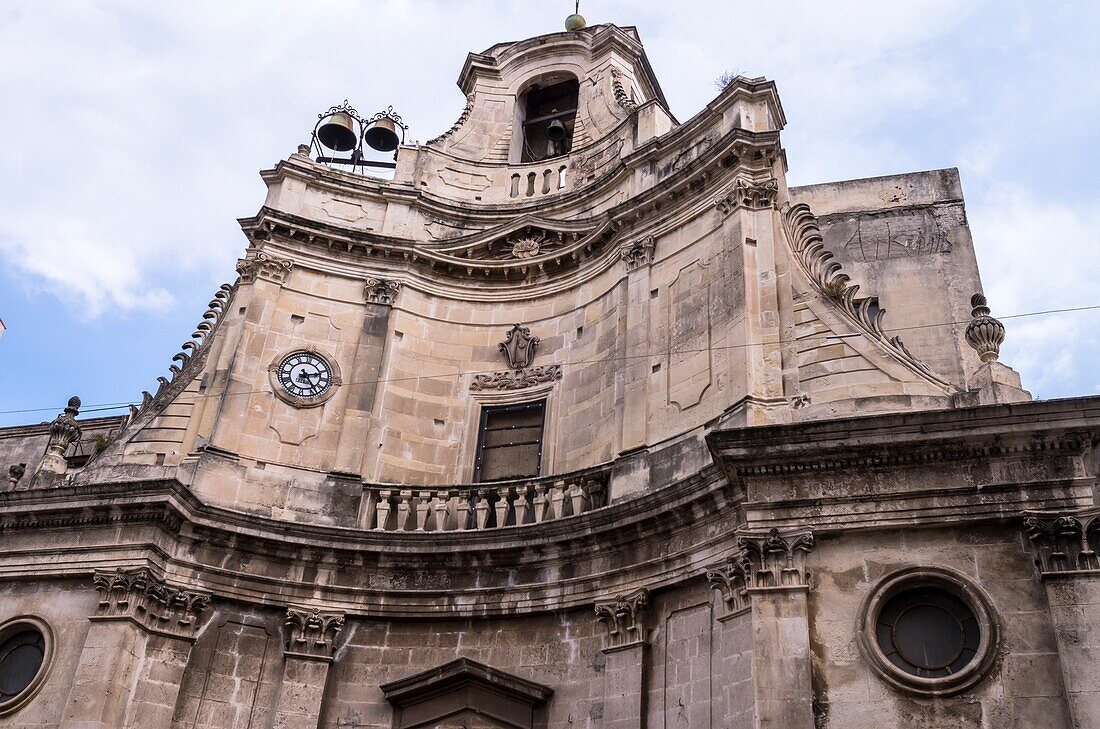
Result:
[[25, 648], [928, 631]]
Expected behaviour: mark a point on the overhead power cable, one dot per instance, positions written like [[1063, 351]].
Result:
[[102, 407]]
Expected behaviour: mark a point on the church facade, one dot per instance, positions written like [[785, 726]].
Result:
[[585, 418]]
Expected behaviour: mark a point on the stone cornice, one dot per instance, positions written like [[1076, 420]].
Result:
[[459, 268], [899, 439], [373, 573]]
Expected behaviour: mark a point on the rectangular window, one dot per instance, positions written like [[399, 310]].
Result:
[[509, 443]]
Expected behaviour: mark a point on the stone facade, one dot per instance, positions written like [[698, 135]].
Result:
[[745, 467]]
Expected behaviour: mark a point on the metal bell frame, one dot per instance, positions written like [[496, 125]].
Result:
[[356, 159]]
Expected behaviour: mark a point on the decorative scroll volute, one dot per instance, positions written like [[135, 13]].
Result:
[[311, 633], [139, 595], [624, 618], [516, 379]]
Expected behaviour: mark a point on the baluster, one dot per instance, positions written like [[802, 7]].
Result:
[[462, 511], [579, 497], [541, 504], [481, 509], [423, 509], [521, 504], [557, 501], [404, 506], [383, 509], [439, 506], [502, 506]]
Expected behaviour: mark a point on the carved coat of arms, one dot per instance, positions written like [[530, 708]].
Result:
[[519, 347]]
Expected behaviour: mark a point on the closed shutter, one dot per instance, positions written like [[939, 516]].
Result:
[[510, 442]]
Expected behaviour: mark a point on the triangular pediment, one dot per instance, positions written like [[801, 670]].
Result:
[[465, 687]]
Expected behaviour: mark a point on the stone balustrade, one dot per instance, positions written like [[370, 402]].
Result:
[[484, 506]]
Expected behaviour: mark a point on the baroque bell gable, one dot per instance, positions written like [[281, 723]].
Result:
[[584, 417]]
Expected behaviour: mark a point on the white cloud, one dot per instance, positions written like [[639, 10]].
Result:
[[133, 131]]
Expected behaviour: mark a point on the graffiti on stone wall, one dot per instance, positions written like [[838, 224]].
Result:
[[880, 235]]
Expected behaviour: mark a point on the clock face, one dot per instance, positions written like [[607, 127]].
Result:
[[304, 374]]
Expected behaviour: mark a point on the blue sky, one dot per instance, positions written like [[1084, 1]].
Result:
[[133, 133]]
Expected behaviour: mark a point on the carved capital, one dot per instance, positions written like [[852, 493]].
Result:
[[731, 581], [381, 291], [264, 266], [639, 253], [984, 333], [516, 379], [139, 595], [624, 618], [1064, 543], [775, 559], [745, 193], [311, 633]]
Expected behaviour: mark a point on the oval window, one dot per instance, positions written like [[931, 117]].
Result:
[[928, 631], [26, 647], [21, 657]]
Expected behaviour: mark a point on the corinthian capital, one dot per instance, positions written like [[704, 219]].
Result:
[[139, 595], [265, 266], [745, 193], [380, 291], [311, 633], [624, 618], [775, 559]]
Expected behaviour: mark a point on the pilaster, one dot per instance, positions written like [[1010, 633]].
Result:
[[379, 296], [767, 577], [637, 256], [1066, 559], [132, 664], [310, 643], [625, 649], [748, 206]]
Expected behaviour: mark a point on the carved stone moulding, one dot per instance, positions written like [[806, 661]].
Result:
[[624, 618], [311, 633], [139, 595], [516, 379]]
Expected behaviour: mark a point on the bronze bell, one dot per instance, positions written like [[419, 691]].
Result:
[[382, 135], [556, 131], [338, 132]]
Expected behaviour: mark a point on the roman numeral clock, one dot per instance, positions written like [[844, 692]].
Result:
[[304, 377]]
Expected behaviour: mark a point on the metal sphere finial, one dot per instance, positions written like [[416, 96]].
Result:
[[575, 21]]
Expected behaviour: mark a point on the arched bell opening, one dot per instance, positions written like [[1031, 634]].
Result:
[[546, 116]]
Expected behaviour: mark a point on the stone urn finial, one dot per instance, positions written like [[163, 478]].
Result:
[[64, 431], [984, 333]]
